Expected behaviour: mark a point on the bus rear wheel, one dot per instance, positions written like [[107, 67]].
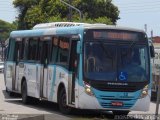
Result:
[[62, 101], [25, 98]]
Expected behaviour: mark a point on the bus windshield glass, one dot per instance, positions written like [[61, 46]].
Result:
[[122, 62]]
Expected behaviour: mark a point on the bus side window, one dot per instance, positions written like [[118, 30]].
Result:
[[54, 49], [11, 48], [63, 52], [45, 52], [33, 43], [39, 52], [17, 50], [22, 45], [26, 47]]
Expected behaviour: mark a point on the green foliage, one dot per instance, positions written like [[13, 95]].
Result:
[[5, 29], [99, 9], [36, 13], [103, 20], [32, 12], [23, 6]]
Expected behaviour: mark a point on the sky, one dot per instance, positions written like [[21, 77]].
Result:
[[137, 13], [133, 13], [7, 11]]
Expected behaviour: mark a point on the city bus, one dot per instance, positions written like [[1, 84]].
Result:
[[80, 65]]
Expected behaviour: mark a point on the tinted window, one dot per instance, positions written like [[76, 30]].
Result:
[[26, 49], [100, 61], [11, 49], [54, 49], [33, 45], [63, 51], [133, 63]]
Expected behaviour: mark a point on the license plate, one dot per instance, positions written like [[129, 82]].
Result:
[[117, 103]]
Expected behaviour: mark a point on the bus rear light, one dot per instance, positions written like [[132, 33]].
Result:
[[144, 92], [88, 89]]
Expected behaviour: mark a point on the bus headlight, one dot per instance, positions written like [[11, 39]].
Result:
[[144, 92], [88, 89]]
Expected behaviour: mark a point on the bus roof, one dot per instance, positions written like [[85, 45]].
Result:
[[57, 24], [85, 25], [65, 28]]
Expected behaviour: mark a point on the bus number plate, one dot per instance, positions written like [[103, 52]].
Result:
[[117, 103]]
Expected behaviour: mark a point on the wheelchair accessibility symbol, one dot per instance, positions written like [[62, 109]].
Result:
[[123, 76]]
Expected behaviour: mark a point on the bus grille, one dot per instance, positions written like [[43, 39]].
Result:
[[128, 98], [117, 89]]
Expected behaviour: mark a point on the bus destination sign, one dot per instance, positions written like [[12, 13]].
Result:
[[114, 35]]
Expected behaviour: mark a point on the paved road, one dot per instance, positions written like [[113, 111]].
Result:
[[12, 107]]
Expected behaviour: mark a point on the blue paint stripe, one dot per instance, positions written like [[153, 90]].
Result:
[[27, 33], [41, 32], [53, 82]]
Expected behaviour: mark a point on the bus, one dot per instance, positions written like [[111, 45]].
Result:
[[80, 65]]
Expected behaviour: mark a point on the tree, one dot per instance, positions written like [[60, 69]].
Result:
[[5, 29], [32, 12], [36, 13], [23, 6], [94, 9]]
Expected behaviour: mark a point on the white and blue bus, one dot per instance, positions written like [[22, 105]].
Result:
[[83, 66]]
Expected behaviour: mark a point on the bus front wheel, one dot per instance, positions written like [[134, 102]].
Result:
[[62, 101], [25, 98]]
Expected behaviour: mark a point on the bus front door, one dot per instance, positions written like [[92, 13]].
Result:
[[15, 77], [44, 69], [73, 68]]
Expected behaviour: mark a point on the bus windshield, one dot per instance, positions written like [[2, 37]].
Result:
[[115, 62]]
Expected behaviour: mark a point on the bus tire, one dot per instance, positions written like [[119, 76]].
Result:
[[25, 98], [120, 112], [62, 100]]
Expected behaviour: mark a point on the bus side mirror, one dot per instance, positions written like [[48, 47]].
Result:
[[79, 50], [152, 52]]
